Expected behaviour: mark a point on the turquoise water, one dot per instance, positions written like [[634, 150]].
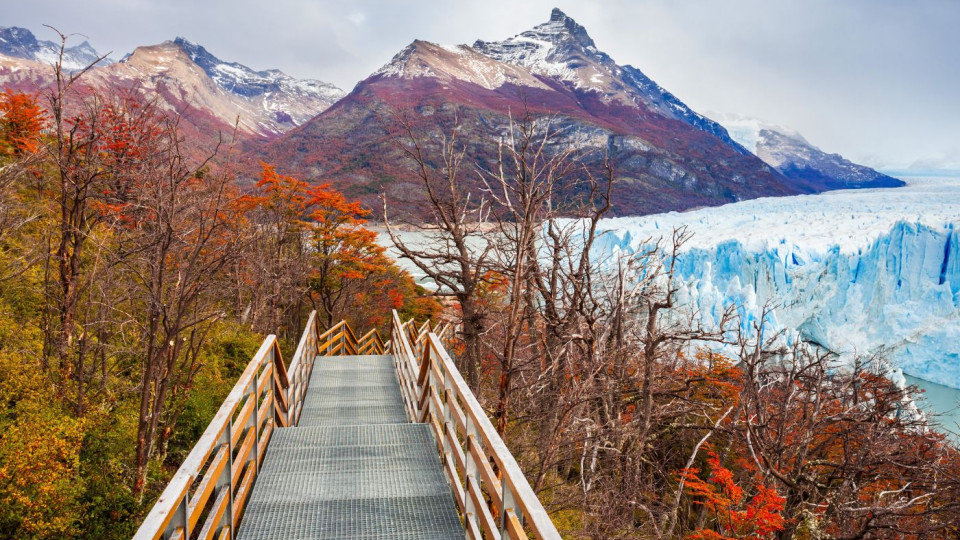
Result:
[[942, 402]]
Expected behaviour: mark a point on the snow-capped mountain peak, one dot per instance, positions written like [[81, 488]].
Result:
[[21, 43], [562, 27], [244, 81], [561, 49], [790, 153], [269, 101]]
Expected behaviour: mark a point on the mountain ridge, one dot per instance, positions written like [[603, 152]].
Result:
[[187, 79], [20, 42], [667, 157], [796, 158]]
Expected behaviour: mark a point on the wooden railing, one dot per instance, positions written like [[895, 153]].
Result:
[[491, 492], [206, 497]]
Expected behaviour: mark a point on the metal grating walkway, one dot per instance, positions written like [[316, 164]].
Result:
[[354, 468]]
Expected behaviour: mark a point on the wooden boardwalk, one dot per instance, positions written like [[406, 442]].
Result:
[[355, 438], [354, 467]]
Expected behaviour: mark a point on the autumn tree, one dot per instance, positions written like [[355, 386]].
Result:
[[21, 123], [733, 512], [174, 235], [79, 123], [274, 289], [345, 255], [455, 248], [843, 446]]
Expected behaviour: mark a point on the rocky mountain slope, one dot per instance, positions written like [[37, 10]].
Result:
[[666, 156], [210, 94], [789, 152]]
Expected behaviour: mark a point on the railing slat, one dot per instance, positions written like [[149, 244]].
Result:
[[513, 527], [240, 499], [240, 461], [199, 500], [472, 529], [242, 419], [487, 522], [458, 494], [456, 450], [491, 483], [264, 441], [216, 514]]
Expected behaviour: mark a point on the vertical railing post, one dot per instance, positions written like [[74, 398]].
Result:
[[180, 519], [255, 417], [470, 474], [447, 413], [509, 504], [276, 390], [225, 480], [227, 483]]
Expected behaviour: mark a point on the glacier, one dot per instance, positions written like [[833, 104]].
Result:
[[857, 271]]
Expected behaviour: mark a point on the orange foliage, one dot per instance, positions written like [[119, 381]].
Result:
[[734, 516], [21, 123], [350, 275], [282, 194]]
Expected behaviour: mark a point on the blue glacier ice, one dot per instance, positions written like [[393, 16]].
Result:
[[858, 272]]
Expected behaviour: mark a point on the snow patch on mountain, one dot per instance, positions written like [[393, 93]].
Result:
[[243, 81], [858, 272], [748, 131]]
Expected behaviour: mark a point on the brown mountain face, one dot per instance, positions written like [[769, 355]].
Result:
[[666, 156]]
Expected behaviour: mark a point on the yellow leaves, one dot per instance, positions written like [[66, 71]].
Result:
[[39, 476], [39, 443]]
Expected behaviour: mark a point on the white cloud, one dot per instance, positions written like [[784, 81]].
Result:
[[357, 18]]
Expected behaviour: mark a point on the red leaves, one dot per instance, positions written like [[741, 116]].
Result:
[[732, 514]]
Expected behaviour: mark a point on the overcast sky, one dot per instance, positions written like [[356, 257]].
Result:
[[875, 80]]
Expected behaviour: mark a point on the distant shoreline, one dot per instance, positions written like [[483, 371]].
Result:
[[934, 173]]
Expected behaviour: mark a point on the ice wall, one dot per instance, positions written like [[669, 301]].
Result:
[[889, 281]]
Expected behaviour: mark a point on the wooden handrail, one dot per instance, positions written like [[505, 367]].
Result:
[[493, 505], [217, 475]]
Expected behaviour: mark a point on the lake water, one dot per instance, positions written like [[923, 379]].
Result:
[[942, 402]]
